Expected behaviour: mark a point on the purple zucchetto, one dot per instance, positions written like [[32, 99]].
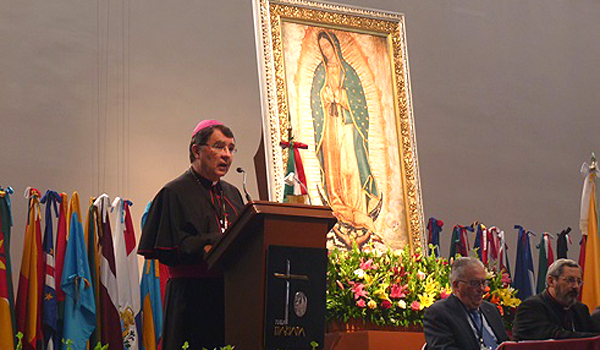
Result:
[[205, 124]]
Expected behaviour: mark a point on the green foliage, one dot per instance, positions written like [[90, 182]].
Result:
[[19, 341], [100, 347], [389, 288], [393, 288], [68, 343]]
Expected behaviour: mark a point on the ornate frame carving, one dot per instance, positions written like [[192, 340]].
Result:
[[270, 17]]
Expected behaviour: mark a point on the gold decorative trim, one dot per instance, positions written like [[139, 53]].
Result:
[[391, 25]]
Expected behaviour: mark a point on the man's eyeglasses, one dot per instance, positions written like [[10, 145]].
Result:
[[221, 148], [476, 283], [572, 281]]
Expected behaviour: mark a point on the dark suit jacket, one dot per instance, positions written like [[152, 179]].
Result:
[[447, 327], [540, 317], [596, 317]]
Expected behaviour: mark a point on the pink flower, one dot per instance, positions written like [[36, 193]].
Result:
[[386, 304], [358, 291], [444, 294], [398, 291], [415, 306], [505, 278], [361, 303], [421, 275], [399, 272], [340, 284], [367, 265]]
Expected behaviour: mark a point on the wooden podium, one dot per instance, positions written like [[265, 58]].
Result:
[[242, 254]]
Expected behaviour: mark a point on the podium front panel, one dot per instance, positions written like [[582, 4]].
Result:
[[295, 297]]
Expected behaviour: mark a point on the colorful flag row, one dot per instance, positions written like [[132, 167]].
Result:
[[491, 248], [78, 283]]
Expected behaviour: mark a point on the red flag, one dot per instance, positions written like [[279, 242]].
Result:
[[7, 331], [61, 247], [31, 279], [110, 320]]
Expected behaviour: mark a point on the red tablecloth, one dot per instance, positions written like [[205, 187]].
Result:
[[565, 344]]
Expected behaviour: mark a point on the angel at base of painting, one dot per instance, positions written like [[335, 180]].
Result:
[[341, 123]]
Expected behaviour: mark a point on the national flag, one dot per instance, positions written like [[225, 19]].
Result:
[[59, 259], [434, 228], [80, 306], [294, 165], [50, 307], [490, 251], [524, 280], [479, 244], [561, 243], [110, 320], [502, 248], [31, 281], [91, 238], [152, 305], [151, 300], [127, 272], [546, 258], [459, 242], [162, 268], [590, 294], [7, 307]]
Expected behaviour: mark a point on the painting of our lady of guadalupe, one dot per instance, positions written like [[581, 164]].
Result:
[[341, 102]]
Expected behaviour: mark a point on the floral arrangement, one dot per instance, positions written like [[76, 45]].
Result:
[[503, 295], [393, 288]]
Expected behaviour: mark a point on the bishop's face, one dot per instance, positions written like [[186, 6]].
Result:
[[213, 159]]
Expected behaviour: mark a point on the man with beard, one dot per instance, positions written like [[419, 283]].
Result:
[[187, 217], [556, 313], [464, 320]]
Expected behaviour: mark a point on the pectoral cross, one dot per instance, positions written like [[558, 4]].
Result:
[[288, 277]]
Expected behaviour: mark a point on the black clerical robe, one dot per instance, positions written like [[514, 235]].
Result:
[[186, 215], [541, 317]]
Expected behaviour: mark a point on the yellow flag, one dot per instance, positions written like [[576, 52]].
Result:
[[591, 287]]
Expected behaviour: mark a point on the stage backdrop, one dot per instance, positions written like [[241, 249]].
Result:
[[336, 79]]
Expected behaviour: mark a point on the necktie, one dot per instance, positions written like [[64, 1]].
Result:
[[488, 339]]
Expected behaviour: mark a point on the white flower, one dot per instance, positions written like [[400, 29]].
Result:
[[360, 273]]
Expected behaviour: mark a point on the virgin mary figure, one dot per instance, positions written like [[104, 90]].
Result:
[[341, 124]]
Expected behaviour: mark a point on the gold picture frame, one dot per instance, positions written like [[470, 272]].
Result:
[[336, 78]]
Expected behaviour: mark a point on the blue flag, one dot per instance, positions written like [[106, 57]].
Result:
[[50, 307], [524, 280], [151, 332], [151, 305], [80, 305]]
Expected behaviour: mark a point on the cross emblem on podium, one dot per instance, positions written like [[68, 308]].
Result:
[[288, 276]]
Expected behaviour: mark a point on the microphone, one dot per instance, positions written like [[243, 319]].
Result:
[[291, 178], [243, 172]]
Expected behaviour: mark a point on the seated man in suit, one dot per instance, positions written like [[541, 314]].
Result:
[[464, 320], [556, 313]]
